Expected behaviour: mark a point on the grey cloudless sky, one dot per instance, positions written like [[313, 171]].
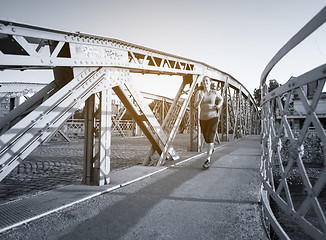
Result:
[[238, 37]]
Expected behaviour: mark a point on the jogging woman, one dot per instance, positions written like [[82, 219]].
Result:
[[210, 101]]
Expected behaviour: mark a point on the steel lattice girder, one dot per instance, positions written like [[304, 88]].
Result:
[[31, 47]]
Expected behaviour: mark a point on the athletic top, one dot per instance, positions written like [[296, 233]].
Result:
[[208, 108]]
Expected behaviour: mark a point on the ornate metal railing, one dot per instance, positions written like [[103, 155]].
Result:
[[294, 148]]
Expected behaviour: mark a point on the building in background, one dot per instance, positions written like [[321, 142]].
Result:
[[14, 93]]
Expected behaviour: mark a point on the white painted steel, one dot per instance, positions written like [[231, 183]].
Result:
[[32, 47]]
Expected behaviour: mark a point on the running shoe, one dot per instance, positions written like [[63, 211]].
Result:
[[206, 164]]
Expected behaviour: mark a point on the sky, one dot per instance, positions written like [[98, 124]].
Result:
[[239, 37]]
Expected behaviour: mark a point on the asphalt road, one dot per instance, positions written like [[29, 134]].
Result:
[[181, 202]]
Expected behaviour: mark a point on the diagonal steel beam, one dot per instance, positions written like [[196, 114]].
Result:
[[187, 80]]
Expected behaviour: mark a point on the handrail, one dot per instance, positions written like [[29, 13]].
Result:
[[293, 160]]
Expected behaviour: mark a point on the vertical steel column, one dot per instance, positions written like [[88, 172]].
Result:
[[97, 164], [162, 111], [224, 114], [247, 116], [195, 132], [241, 115], [231, 113], [89, 124], [235, 128], [105, 137]]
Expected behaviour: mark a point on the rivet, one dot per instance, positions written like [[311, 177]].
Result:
[[13, 29]]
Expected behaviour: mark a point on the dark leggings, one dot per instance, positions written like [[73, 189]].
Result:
[[208, 128]]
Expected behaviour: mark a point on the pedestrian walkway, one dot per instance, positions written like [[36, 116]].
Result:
[[181, 201]]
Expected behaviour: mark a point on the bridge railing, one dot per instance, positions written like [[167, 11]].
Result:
[[293, 161]]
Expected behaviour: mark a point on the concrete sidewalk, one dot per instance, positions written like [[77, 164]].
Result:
[[182, 201]]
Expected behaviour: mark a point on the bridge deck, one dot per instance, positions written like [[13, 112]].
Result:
[[181, 201]]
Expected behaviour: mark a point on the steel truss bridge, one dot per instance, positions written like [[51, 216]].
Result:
[[85, 69]]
